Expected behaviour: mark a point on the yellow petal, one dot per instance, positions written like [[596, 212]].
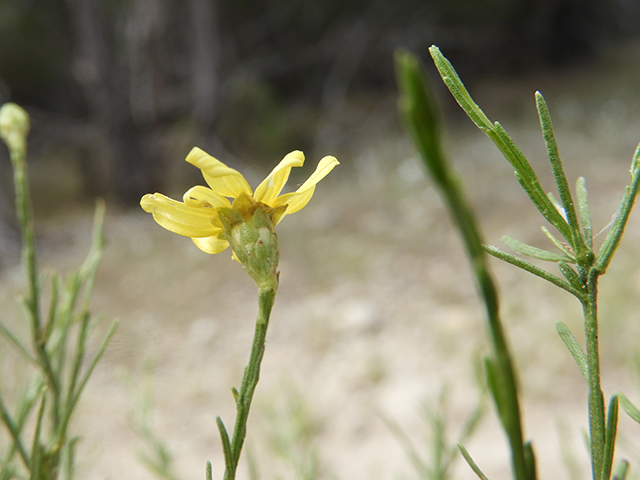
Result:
[[222, 179], [295, 201], [178, 217], [325, 165], [299, 199], [271, 186], [211, 244], [200, 196]]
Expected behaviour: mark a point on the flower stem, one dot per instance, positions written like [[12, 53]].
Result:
[[266, 298], [597, 418]]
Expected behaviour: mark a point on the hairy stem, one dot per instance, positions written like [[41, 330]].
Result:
[[266, 298], [597, 417]]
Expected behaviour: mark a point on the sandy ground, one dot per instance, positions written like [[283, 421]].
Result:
[[376, 312]]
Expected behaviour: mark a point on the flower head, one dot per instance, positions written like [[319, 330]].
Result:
[[207, 214]]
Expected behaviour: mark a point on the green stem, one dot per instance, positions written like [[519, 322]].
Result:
[[420, 113], [25, 218], [266, 298], [597, 418]]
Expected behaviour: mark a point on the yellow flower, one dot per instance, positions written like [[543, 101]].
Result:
[[197, 216]]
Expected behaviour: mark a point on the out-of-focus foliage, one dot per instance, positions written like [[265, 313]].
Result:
[[127, 85]]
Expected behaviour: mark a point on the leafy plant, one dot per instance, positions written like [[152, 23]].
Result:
[[58, 343], [577, 260]]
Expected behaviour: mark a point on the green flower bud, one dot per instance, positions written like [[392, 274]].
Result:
[[14, 126]]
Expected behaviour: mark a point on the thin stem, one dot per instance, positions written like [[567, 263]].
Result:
[[266, 298], [419, 110], [597, 416], [25, 217]]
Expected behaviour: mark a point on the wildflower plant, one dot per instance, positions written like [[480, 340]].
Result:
[[577, 260], [229, 213], [42, 448]]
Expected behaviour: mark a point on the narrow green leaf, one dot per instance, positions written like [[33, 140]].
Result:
[[612, 240], [583, 211], [544, 206], [53, 307], [8, 334], [209, 473], [558, 173], [517, 159], [558, 244], [524, 172], [408, 446], [530, 461], [574, 348], [571, 275], [226, 446], [610, 438], [621, 470], [533, 252], [36, 447], [471, 463], [529, 267], [14, 430], [629, 408], [458, 90], [552, 198], [234, 392], [94, 362]]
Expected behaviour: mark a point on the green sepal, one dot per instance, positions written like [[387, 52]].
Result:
[[249, 228], [574, 348], [229, 217], [533, 252]]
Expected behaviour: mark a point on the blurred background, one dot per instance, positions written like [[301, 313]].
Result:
[[376, 308], [118, 88]]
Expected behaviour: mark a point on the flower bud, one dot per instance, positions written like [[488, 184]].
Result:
[[14, 126], [249, 229]]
